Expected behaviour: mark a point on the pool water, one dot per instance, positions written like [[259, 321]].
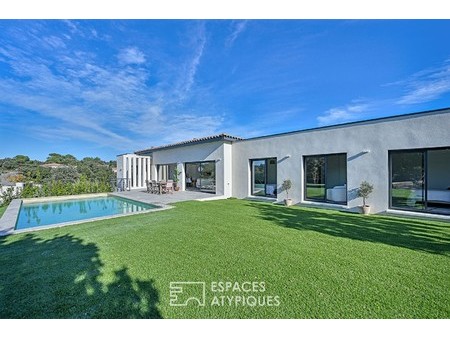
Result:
[[48, 213]]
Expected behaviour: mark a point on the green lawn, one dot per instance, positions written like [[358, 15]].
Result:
[[2, 210], [321, 264]]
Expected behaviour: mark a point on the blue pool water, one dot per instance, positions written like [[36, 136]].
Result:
[[46, 213]]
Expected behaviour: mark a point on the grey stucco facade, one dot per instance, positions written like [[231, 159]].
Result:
[[377, 137], [365, 144]]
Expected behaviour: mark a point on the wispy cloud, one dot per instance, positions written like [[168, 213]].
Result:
[[108, 102], [237, 28], [131, 55], [426, 85], [187, 74], [343, 114]]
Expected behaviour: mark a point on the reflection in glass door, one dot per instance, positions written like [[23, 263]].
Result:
[[201, 176], [315, 177], [408, 180], [264, 177]]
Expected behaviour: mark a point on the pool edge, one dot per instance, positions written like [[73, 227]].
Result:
[[9, 219], [95, 219], [62, 198]]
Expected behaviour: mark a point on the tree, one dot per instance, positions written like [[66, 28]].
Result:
[[65, 175], [286, 186], [61, 159], [365, 189]]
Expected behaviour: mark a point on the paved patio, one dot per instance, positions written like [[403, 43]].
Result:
[[177, 196]]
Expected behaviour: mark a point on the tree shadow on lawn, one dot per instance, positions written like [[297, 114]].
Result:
[[432, 237], [61, 278]]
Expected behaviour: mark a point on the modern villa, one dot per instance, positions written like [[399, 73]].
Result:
[[406, 158]]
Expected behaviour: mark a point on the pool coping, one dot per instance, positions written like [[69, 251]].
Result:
[[62, 198], [9, 219]]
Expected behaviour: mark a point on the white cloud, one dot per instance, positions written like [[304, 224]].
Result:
[[102, 103], [238, 27], [186, 78], [73, 26], [54, 42], [342, 114], [131, 55], [426, 85]]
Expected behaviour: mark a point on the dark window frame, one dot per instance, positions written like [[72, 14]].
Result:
[[325, 179], [425, 185], [266, 159], [201, 162]]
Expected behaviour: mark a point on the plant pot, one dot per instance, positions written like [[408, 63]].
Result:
[[365, 209], [288, 202], [177, 188]]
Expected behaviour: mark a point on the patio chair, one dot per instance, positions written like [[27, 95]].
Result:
[[168, 187], [154, 187], [149, 186], [161, 187]]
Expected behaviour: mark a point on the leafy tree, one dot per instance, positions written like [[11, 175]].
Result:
[[365, 189], [90, 175], [61, 159], [65, 175]]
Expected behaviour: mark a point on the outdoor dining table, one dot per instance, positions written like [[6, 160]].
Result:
[[160, 186]]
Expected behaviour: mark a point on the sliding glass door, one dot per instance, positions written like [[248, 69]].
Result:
[[201, 176], [420, 180], [264, 177], [315, 178], [408, 180], [326, 178]]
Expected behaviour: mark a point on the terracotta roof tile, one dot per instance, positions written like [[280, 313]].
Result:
[[219, 137]]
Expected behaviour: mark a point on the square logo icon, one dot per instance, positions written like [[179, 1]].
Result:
[[184, 293]]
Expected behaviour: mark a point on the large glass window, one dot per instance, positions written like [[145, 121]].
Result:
[[408, 180], [201, 176], [264, 177], [166, 171], [326, 178], [420, 180]]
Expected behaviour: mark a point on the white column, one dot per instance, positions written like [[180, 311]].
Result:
[[123, 173], [134, 172], [153, 172], [129, 172], [182, 177], [142, 172], [124, 167], [139, 171]]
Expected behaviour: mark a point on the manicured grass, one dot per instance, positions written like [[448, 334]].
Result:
[[2, 210], [321, 264]]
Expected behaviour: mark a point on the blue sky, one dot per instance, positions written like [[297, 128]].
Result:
[[100, 88]]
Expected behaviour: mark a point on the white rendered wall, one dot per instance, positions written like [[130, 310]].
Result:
[[218, 151], [419, 131]]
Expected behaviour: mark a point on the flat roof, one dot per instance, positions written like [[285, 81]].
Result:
[[226, 137], [368, 121]]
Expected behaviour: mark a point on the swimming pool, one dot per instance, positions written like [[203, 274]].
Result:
[[33, 215]]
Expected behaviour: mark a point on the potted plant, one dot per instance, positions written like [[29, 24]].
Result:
[[365, 189], [287, 184], [176, 174]]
